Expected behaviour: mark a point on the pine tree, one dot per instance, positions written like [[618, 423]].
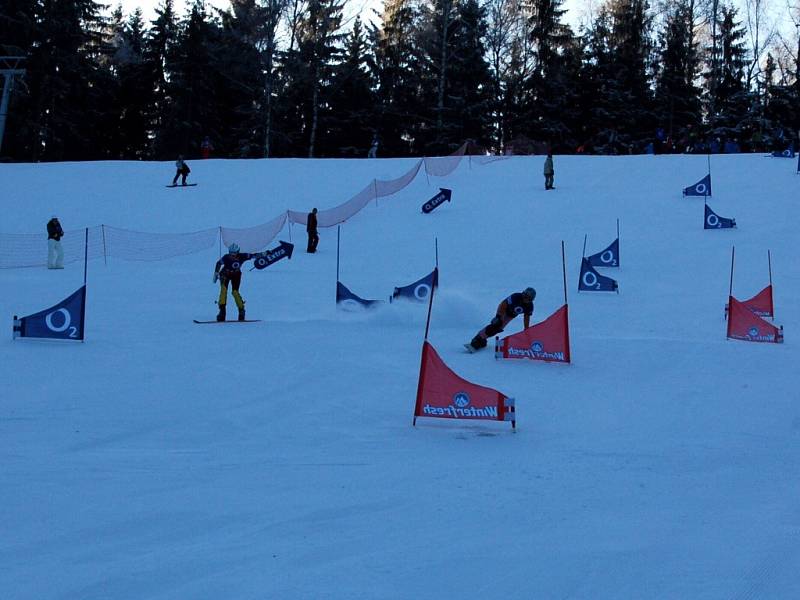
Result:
[[134, 94], [456, 83], [727, 97], [307, 72], [397, 66], [160, 42], [238, 123], [65, 110], [551, 86], [352, 101], [677, 98], [192, 95]]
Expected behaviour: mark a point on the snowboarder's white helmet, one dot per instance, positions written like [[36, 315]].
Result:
[[530, 292], [233, 248]]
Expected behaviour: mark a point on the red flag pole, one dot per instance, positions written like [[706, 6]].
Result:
[[730, 289]]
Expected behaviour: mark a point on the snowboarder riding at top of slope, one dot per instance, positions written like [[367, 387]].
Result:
[[182, 170], [516, 304], [229, 269]]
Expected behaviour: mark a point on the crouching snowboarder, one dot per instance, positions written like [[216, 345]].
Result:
[[182, 170], [229, 270], [518, 303]]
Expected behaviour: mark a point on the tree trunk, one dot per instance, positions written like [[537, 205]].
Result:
[[446, 8]]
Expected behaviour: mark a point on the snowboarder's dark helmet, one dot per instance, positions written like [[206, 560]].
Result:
[[530, 292], [233, 248]]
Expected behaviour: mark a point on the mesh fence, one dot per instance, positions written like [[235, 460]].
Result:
[[19, 250], [253, 239]]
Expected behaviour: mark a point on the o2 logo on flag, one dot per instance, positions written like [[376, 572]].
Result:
[[65, 320], [590, 280], [713, 221], [461, 399], [700, 188], [607, 258], [753, 332], [422, 291]]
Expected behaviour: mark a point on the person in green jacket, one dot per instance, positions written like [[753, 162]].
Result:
[[549, 172]]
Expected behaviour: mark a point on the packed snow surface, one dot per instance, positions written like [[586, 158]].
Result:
[[161, 459]]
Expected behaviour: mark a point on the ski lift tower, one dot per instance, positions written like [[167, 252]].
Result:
[[9, 68]]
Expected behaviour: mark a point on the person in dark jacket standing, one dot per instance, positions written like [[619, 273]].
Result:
[[519, 303], [55, 253], [549, 172], [182, 170], [311, 229]]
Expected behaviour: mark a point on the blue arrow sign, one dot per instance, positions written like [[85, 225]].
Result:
[[268, 257], [439, 199]]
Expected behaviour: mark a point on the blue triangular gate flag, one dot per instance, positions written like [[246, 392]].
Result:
[[419, 291], [788, 153], [64, 321], [701, 188], [348, 299], [607, 258], [714, 221], [592, 281]]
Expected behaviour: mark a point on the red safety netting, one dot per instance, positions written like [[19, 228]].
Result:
[[443, 394], [548, 340], [744, 324]]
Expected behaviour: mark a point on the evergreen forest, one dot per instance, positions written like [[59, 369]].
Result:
[[324, 78]]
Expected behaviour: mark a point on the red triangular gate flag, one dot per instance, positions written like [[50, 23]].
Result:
[[443, 394], [761, 303], [744, 324], [548, 340]]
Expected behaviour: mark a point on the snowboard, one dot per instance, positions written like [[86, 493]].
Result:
[[231, 321], [179, 185], [470, 349]]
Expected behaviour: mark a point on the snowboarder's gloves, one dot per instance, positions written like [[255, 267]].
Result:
[[216, 277]]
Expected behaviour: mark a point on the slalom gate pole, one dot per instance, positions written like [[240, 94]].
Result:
[[584, 245], [430, 305], [564, 270], [105, 250], [436, 247], [422, 358], [85, 255], [769, 264], [338, 236], [730, 289]]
